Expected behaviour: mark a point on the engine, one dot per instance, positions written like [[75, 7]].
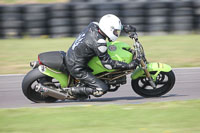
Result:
[[121, 80], [114, 78]]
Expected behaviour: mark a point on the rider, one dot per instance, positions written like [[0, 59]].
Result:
[[92, 42]]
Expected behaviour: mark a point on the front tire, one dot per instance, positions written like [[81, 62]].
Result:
[[30, 80], [165, 82]]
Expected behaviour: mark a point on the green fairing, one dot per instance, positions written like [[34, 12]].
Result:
[[120, 54], [151, 67], [61, 77]]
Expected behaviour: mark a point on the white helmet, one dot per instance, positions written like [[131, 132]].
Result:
[[111, 26]]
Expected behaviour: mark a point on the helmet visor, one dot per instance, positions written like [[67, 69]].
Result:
[[117, 32]]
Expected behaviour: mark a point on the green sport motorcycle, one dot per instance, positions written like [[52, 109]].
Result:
[[49, 79]]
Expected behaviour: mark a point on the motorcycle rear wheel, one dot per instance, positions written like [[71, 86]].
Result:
[[30, 80], [165, 82]]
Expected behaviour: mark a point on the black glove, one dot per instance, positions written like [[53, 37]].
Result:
[[133, 64], [129, 28], [133, 35]]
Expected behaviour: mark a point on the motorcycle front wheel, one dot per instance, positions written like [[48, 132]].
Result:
[[30, 80], [164, 83]]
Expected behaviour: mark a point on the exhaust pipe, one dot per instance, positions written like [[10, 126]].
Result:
[[50, 92]]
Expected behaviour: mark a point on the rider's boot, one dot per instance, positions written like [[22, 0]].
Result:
[[85, 92], [81, 93]]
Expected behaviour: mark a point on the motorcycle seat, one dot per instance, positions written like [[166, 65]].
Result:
[[53, 59]]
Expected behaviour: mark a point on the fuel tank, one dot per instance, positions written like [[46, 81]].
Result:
[[118, 51]]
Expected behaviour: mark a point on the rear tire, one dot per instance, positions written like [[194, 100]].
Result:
[[34, 77], [165, 82]]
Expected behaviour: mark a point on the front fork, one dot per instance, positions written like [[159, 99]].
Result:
[[148, 75], [138, 46]]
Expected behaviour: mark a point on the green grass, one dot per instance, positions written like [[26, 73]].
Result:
[[164, 117], [175, 50]]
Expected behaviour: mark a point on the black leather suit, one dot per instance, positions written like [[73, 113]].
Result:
[[88, 44]]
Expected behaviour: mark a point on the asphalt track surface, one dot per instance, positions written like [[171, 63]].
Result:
[[187, 87]]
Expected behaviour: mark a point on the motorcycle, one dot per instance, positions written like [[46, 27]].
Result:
[[49, 80]]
